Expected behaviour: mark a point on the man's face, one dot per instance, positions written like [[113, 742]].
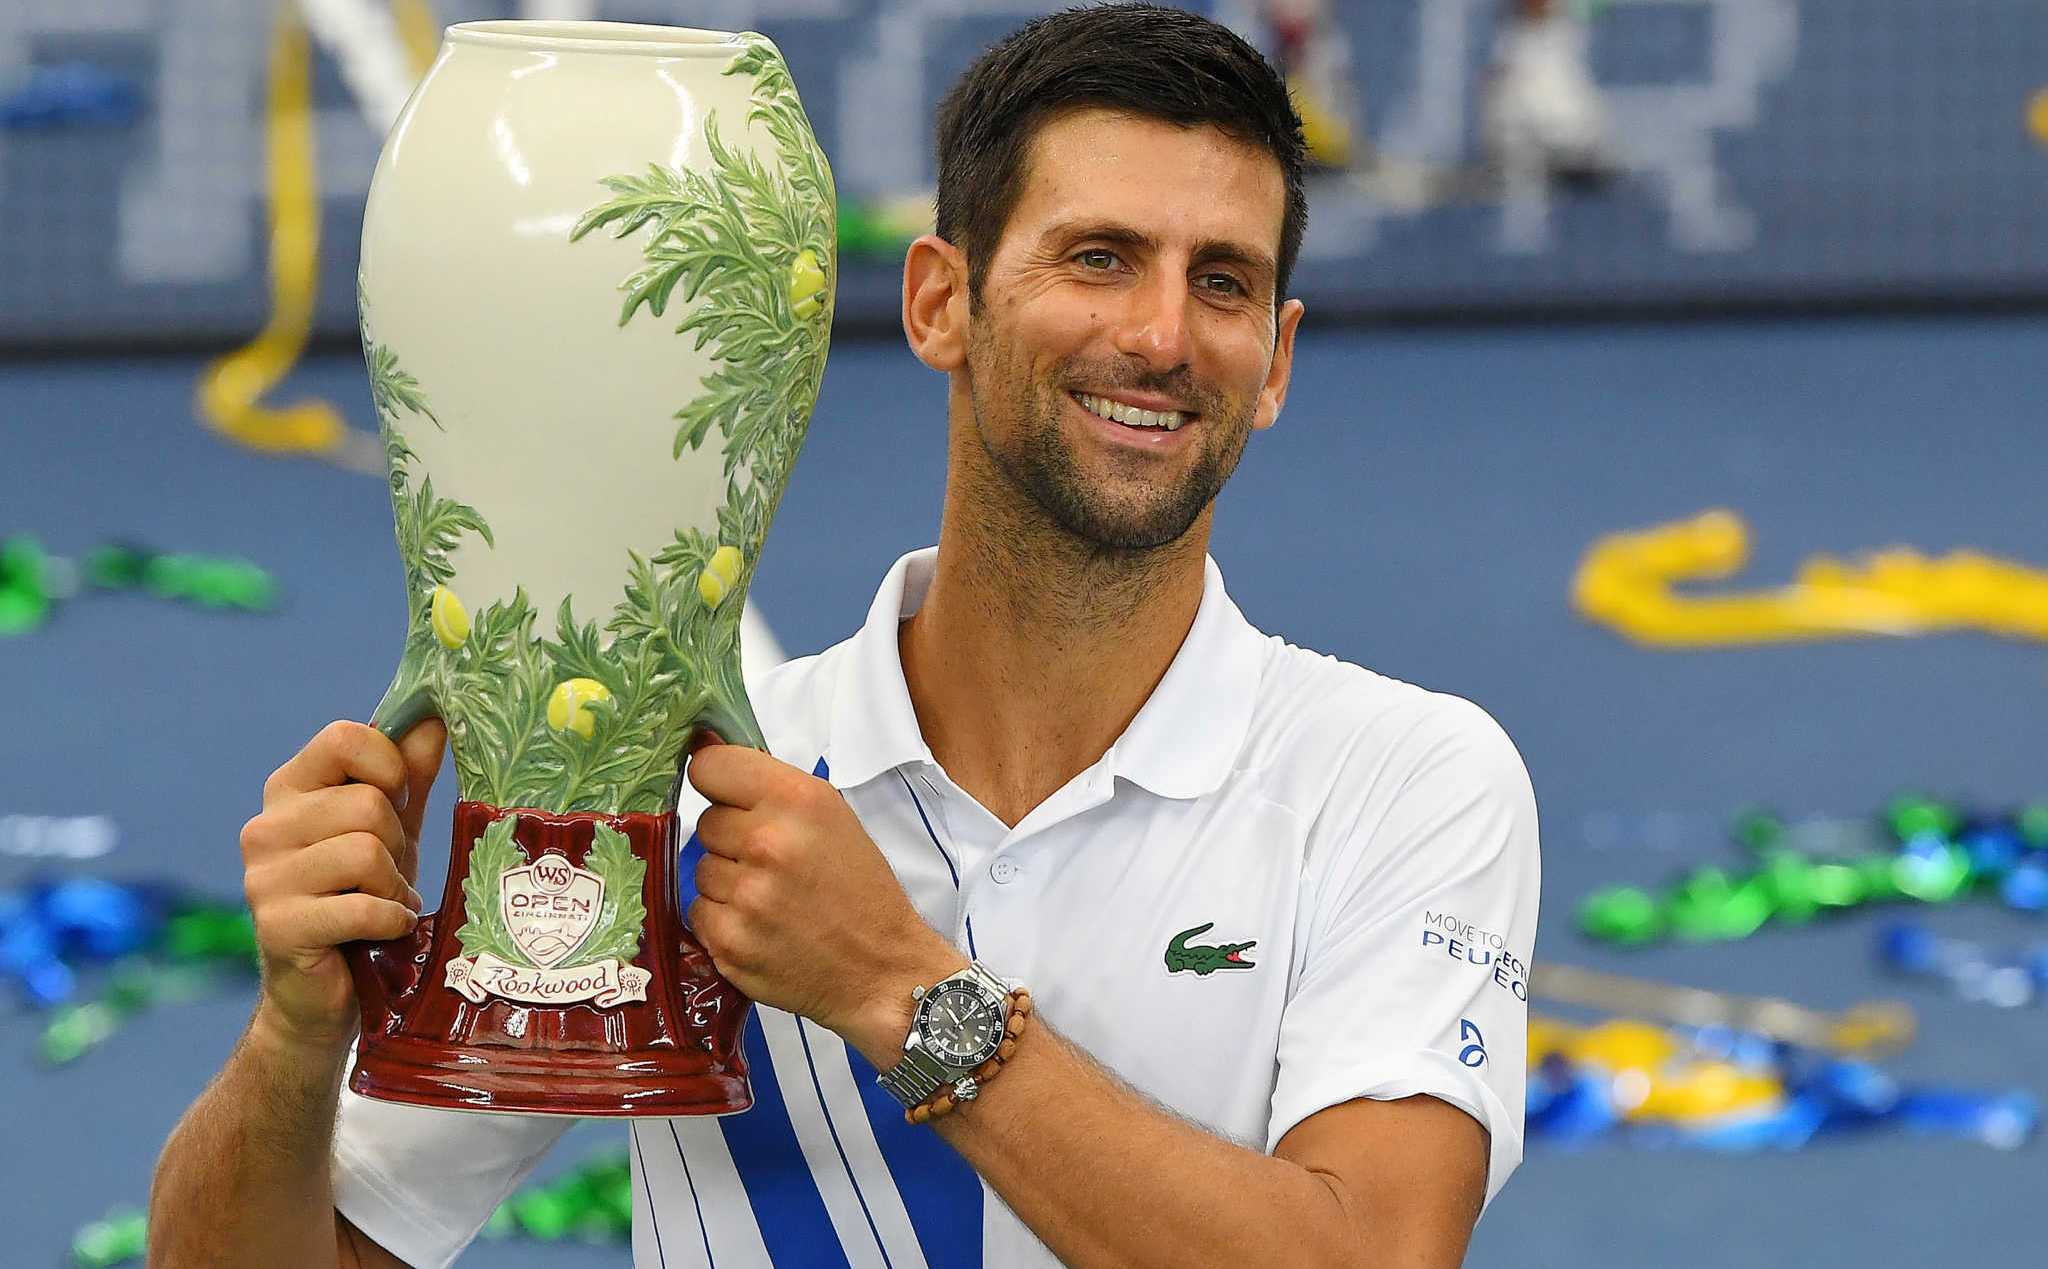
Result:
[[1136, 273]]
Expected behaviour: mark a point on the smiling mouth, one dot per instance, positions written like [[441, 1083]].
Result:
[[1131, 415]]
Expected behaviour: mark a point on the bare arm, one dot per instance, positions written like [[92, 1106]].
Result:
[[244, 1179], [1107, 1178]]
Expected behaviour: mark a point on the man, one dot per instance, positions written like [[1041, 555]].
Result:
[[1275, 911]]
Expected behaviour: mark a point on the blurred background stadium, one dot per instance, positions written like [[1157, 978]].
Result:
[[1572, 269]]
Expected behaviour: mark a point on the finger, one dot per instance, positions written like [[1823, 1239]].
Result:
[[422, 748], [722, 830], [310, 817], [354, 861], [734, 775], [341, 752], [718, 878], [711, 923], [331, 920]]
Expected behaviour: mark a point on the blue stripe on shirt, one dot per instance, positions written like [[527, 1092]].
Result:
[[833, 1128], [787, 1205], [941, 1193], [927, 821]]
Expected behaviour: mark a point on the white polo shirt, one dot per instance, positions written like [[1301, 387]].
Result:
[[1371, 845]]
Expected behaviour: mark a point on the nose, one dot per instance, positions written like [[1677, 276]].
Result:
[[1154, 324]]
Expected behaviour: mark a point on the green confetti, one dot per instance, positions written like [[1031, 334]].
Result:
[[1621, 914], [1911, 816], [120, 1237]]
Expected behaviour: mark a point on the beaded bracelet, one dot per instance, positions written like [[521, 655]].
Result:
[[969, 1087]]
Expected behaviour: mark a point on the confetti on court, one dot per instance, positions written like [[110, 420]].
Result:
[[1627, 581]]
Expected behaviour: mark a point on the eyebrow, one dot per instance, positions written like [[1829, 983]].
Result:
[[1207, 251]]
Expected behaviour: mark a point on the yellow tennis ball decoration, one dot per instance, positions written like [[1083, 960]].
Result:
[[568, 705], [448, 617], [711, 588], [806, 285], [2037, 116], [719, 576], [725, 561]]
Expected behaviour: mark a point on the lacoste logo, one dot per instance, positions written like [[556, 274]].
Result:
[[1205, 960]]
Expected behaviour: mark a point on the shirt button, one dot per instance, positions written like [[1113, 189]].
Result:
[[1004, 871]]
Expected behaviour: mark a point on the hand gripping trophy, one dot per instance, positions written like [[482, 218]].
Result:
[[596, 294]]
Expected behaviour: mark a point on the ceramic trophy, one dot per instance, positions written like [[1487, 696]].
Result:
[[596, 294]]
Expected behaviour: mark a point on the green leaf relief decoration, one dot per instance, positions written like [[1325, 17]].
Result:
[[562, 722], [751, 249], [489, 858], [622, 914], [391, 389]]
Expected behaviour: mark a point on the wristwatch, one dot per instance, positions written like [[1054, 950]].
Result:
[[957, 1026]]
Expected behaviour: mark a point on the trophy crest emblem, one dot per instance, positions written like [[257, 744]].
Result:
[[550, 907], [547, 931]]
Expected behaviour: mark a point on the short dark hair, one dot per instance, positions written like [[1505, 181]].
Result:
[[1146, 59]]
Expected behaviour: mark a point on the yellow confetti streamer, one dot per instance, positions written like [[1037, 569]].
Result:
[[230, 392], [2037, 116], [416, 26], [1875, 1026], [1626, 582]]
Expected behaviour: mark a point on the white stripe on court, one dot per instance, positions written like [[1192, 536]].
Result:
[[807, 1117], [863, 1152]]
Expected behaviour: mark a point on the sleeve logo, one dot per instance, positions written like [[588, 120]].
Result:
[[1473, 1054], [1467, 944]]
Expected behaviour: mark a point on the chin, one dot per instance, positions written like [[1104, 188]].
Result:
[[1124, 529]]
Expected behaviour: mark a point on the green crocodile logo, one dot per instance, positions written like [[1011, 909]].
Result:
[[1206, 960]]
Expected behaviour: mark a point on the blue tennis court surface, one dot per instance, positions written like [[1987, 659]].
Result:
[[1420, 509]]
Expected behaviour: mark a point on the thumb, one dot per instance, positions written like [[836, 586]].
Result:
[[422, 748]]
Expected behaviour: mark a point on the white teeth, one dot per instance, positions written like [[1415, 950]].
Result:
[[1131, 415]]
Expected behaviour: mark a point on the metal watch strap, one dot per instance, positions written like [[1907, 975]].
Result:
[[920, 1073], [980, 973], [915, 1078]]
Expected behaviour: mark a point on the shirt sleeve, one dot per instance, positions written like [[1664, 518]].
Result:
[[422, 1182], [1421, 921]]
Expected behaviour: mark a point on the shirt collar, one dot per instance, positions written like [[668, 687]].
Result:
[[1182, 744], [1185, 741], [874, 728]]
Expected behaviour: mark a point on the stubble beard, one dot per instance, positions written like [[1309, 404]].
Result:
[[1125, 520]]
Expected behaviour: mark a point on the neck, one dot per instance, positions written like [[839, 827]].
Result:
[[1033, 649]]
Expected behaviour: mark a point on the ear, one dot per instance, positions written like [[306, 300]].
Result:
[[935, 303], [1274, 394]]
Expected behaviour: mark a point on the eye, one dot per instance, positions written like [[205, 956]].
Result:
[[1222, 284], [1097, 259]]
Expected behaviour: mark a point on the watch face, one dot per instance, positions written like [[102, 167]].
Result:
[[961, 1024]]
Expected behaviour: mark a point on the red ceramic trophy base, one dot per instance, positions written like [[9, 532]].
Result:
[[675, 1053]]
